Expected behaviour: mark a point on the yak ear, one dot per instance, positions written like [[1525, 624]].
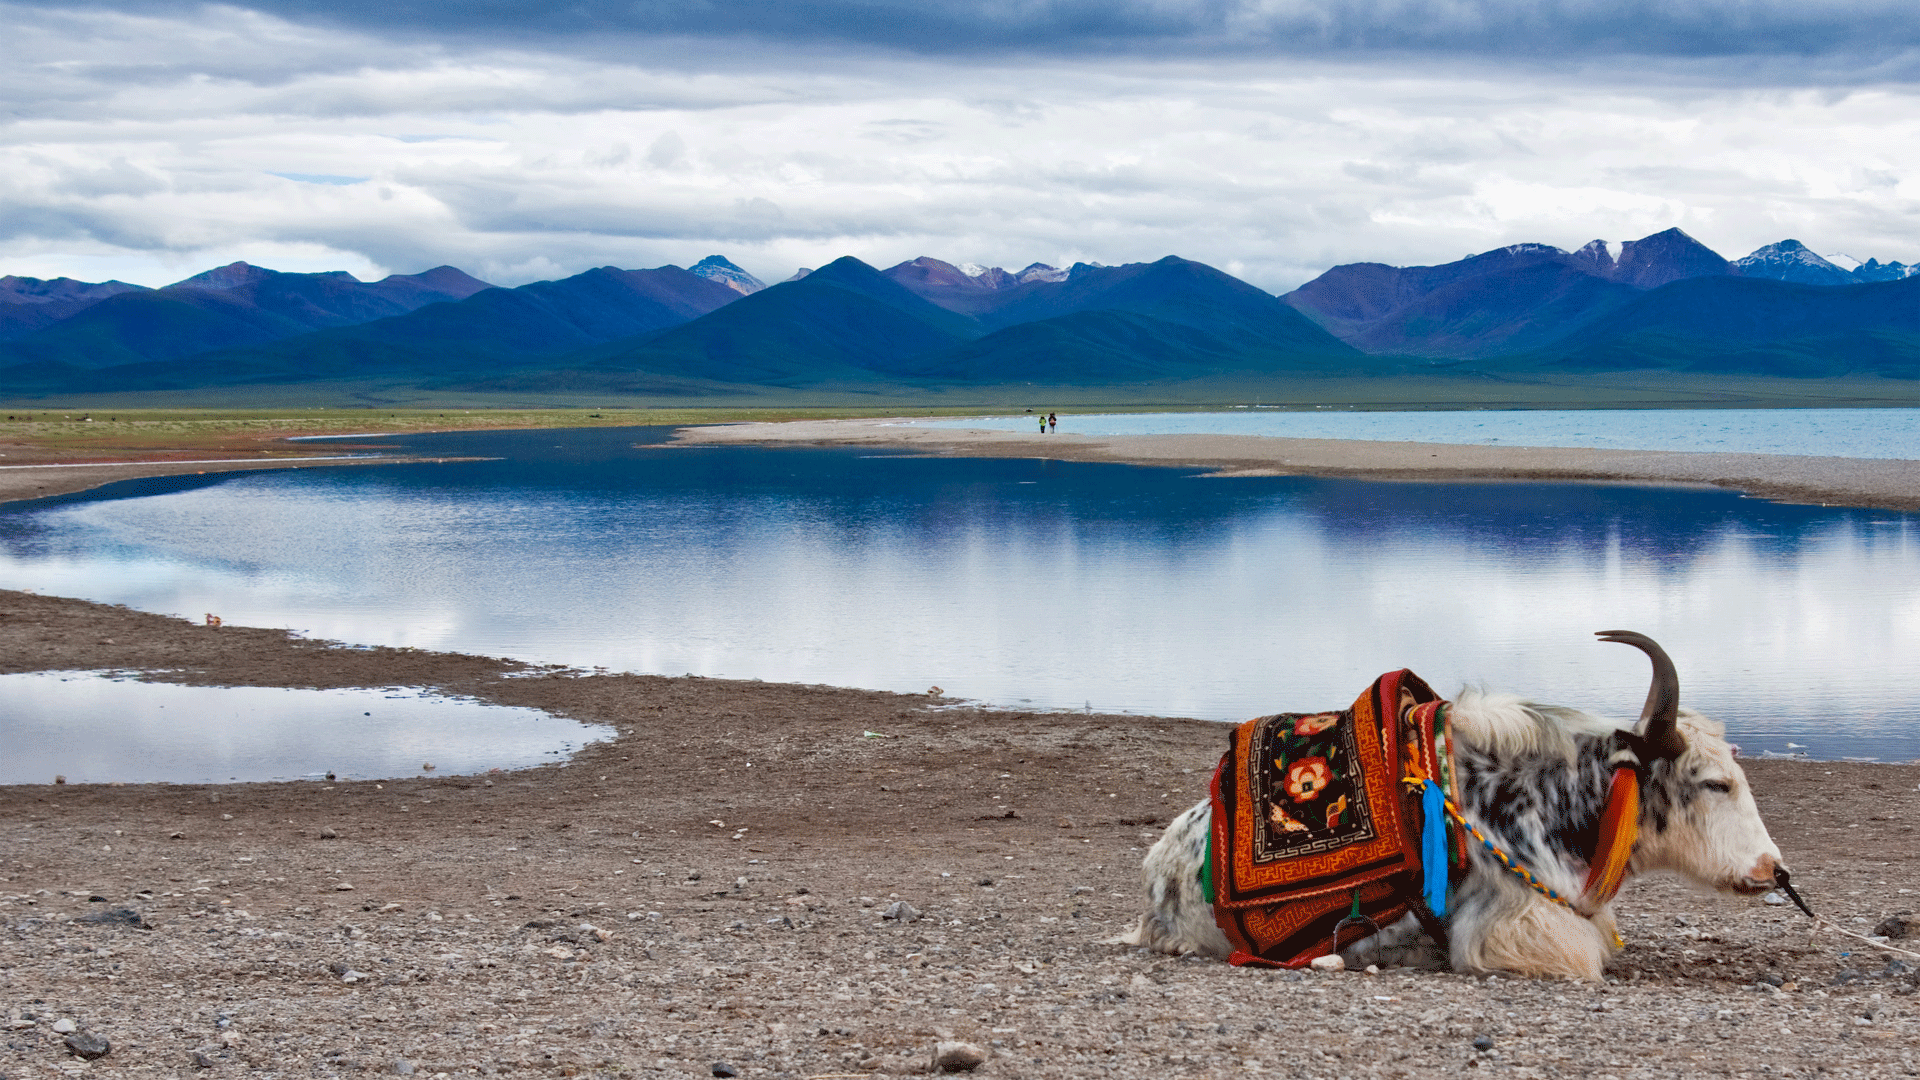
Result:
[[1659, 730]]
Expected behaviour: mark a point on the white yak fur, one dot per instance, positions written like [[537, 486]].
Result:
[[1495, 922]]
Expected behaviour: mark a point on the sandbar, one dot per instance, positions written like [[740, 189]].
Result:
[[1885, 484]]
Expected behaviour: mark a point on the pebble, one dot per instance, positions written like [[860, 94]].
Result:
[[402, 1067], [957, 1057], [1896, 926], [1483, 1043], [65, 1027], [87, 1045], [900, 911], [343, 887], [1773, 898], [329, 834], [721, 1068], [114, 917], [1329, 962]]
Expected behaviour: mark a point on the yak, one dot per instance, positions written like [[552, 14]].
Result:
[[1532, 778]]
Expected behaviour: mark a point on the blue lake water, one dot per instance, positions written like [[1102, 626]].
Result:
[[90, 727], [1054, 585], [1856, 433]]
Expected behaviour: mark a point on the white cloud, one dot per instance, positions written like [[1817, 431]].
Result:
[[161, 144]]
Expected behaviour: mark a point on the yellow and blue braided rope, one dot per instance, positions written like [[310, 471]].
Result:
[[1501, 857]]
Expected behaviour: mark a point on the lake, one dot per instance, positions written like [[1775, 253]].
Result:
[[1854, 433], [1032, 584]]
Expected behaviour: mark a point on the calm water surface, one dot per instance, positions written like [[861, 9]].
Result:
[[1856, 433], [91, 728], [1037, 584]]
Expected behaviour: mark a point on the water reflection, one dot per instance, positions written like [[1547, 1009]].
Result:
[[92, 728], [1051, 584]]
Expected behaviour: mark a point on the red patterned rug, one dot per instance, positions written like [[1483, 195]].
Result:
[[1312, 823]]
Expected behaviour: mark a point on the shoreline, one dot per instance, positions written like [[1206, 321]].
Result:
[[713, 886], [1861, 482], [42, 480], [1826, 481]]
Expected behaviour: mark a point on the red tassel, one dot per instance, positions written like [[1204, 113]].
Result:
[[1619, 830]]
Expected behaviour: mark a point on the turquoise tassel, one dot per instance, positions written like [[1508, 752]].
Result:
[[1433, 848]]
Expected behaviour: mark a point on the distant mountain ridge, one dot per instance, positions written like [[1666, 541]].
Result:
[[1665, 301], [489, 331], [28, 304], [1662, 302], [233, 305]]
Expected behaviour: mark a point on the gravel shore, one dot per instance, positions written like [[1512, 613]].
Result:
[[710, 894]]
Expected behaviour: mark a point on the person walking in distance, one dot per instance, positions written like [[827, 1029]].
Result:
[[1051, 421], [1043, 423]]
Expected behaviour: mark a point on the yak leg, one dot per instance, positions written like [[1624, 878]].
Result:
[[1178, 919], [1500, 927], [1404, 943]]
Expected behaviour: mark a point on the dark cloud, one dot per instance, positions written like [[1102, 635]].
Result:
[[1269, 139], [1536, 29]]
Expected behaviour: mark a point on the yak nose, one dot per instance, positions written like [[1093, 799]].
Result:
[[1766, 869]]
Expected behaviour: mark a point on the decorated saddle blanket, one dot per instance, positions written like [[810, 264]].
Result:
[[1319, 822]]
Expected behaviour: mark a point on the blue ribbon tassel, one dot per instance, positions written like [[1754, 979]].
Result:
[[1433, 849]]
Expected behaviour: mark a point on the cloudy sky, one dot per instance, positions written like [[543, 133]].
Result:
[[149, 139]]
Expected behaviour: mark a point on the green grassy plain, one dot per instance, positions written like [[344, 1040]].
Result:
[[255, 421]]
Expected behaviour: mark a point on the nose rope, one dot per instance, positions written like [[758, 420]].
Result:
[[1784, 882], [1820, 924]]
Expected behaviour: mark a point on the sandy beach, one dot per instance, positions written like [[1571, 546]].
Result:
[[709, 893], [1893, 485]]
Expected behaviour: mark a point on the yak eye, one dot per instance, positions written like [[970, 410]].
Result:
[[1720, 786]]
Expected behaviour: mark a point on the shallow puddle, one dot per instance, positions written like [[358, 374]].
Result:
[[92, 727]]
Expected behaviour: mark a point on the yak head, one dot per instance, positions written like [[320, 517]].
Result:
[[1697, 814]]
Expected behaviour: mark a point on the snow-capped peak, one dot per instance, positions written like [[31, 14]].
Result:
[[1875, 270], [1041, 272], [1532, 249], [719, 268], [1791, 260], [972, 269]]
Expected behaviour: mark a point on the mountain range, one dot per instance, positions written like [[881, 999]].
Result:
[[1663, 302]]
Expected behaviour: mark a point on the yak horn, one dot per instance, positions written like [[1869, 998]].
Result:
[[1659, 721]]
